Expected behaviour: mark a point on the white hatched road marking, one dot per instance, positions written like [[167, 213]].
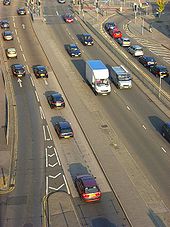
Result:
[[51, 176], [56, 189], [68, 190]]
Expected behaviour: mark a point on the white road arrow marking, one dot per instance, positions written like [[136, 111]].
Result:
[[49, 146], [20, 82], [52, 165], [55, 176]]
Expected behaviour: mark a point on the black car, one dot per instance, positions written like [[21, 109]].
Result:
[[7, 35], [64, 130], [87, 40], [6, 2], [40, 71], [147, 61], [56, 100], [4, 24], [109, 25], [159, 70], [87, 188], [73, 50], [18, 70], [21, 11], [166, 131]]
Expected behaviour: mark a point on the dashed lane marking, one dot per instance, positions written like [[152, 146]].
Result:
[[36, 94], [163, 149], [24, 57], [46, 130], [32, 81], [16, 32], [42, 113], [18, 39], [21, 47]]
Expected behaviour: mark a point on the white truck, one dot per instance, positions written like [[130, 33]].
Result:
[[120, 77], [97, 75]]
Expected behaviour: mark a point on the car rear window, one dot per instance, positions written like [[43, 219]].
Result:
[[93, 189]]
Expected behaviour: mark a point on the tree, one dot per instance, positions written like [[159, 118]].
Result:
[[161, 5]]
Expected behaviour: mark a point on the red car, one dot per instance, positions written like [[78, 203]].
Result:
[[68, 18], [115, 33]]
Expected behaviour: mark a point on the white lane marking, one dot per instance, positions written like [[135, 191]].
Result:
[[28, 69], [66, 184], [13, 18], [44, 133], [36, 94], [51, 176], [46, 185], [42, 113], [18, 39], [57, 13], [14, 24], [144, 127], [56, 189], [51, 155], [21, 47], [50, 165], [57, 157], [49, 146], [16, 32], [46, 157], [128, 107], [163, 149], [20, 82], [45, 81], [49, 133], [24, 57], [32, 81], [23, 26]]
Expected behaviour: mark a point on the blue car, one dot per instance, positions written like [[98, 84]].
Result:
[[73, 50], [87, 40]]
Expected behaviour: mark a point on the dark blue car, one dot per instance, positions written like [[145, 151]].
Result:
[[73, 50], [87, 40], [147, 61]]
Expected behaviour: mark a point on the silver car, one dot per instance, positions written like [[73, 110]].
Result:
[[136, 50], [124, 42]]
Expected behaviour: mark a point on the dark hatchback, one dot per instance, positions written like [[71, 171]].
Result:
[[4, 24], [6, 2], [87, 188], [166, 131], [21, 11], [40, 71], [73, 50], [18, 70], [64, 130], [159, 70], [87, 40], [56, 100], [110, 26], [147, 61]]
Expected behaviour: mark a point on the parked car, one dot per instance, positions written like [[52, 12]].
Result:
[[159, 70], [73, 50], [40, 71], [135, 50], [11, 52], [56, 100], [21, 11], [115, 33], [18, 70], [124, 42], [87, 40], [64, 129], [147, 61], [68, 18], [87, 188], [166, 131], [4, 24], [110, 26], [7, 35], [6, 2]]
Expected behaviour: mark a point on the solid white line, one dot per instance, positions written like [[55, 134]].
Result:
[[144, 127], [57, 157], [45, 81], [21, 47], [18, 39], [57, 13], [14, 24], [66, 184], [60, 187], [50, 165], [46, 157], [28, 69], [55, 176], [37, 96], [163, 149], [24, 57], [44, 133], [128, 107], [46, 185], [49, 132], [42, 113], [32, 81]]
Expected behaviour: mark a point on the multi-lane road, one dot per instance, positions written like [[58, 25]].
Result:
[[126, 121]]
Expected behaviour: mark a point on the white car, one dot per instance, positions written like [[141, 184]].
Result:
[[11, 52], [135, 50], [124, 42]]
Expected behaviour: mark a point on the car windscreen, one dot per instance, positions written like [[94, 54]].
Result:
[[66, 130]]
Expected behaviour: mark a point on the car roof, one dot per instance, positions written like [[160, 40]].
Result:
[[86, 34], [73, 45], [64, 124], [136, 46], [88, 180], [40, 66], [161, 66], [125, 38], [168, 124], [18, 65], [8, 32], [56, 95], [148, 57], [21, 8], [11, 49]]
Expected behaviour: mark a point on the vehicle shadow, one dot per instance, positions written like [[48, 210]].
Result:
[[66, 46], [156, 219], [48, 93], [156, 122], [76, 169], [79, 37], [57, 119], [80, 65], [100, 222]]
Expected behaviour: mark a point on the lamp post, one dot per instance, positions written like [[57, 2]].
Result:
[[160, 84]]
